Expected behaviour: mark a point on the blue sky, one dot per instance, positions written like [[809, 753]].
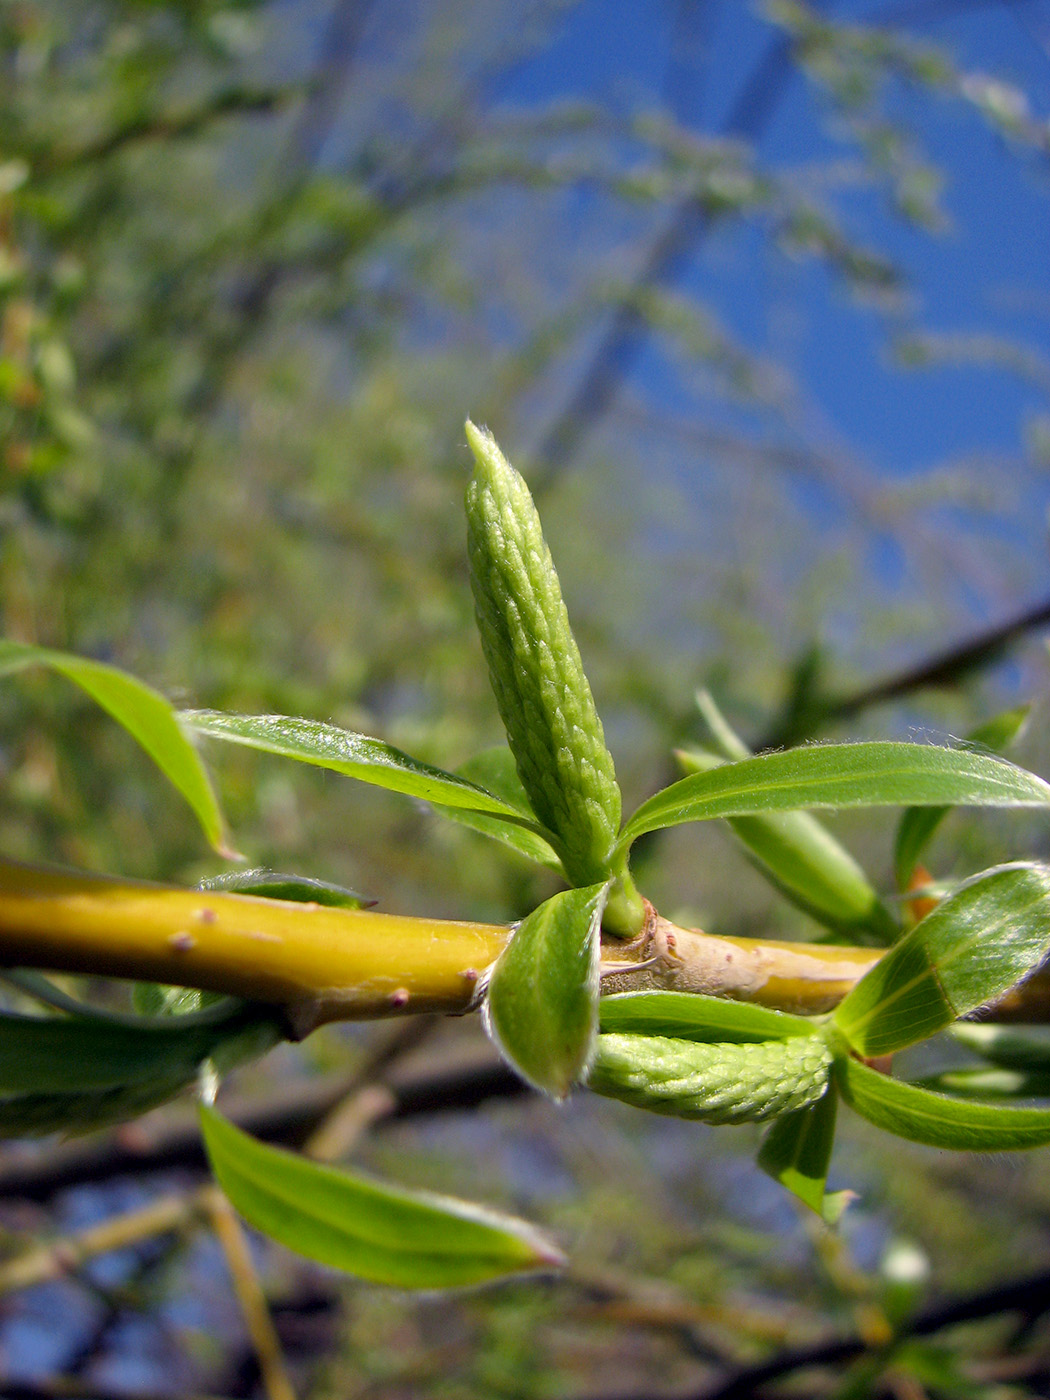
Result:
[[988, 273]]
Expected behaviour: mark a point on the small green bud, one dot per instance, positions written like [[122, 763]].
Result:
[[716, 1083], [534, 665]]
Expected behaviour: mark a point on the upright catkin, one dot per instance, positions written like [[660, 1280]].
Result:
[[534, 665]]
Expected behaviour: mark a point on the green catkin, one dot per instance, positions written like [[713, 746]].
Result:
[[714, 1083], [534, 665]]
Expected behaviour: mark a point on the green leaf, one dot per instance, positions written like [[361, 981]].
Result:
[[542, 994], [299, 889], [86, 1071], [802, 860], [908, 1111], [146, 716], [918, 824], [1012, 1047], [409, 1239], [494, 770], [840, 775], [972, 948], [358, 756], [52, 1054], [692, 1016], [991, 1083], [797, 1151]]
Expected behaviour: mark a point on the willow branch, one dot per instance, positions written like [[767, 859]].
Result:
[[321, 964]]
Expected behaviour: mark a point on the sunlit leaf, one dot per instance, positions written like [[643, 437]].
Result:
[[802, 859], [146, 716], [384, 1234], [541, 1000], [938, 1120], [691, 1016], [494, 771], [991, 1083], [918, 824], [1012, 1047], [838, 776], [299, 889], [797, 1151], [371, 760], [972, 948]]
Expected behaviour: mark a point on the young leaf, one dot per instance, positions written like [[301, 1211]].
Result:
[[534, 664], [541, 1003], [797, 1151], [908, 1111], [802, 859], [494, 770], [991, 1083], [146, 716], [918, 824], [1013, 1047], [326, 746], [715, 1083], [840, 775], [972, 948], [409, 1239], [692, 1016], [299, 889]]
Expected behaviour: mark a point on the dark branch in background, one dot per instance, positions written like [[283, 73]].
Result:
[[234, 101], [1029, 1297], [807, 708], [622, 341], [337, 50]]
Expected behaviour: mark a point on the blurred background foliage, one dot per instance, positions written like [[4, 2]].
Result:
[[257, 263]]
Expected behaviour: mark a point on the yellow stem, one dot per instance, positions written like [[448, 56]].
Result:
[[323, 964], [320, 964]]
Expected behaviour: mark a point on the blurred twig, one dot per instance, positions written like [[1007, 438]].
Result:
[[809, 707], [254, 1308]]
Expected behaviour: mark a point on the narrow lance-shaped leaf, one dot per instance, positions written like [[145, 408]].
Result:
[[1012, 1047], [409, 1239], [908, 1111], [838, 776], [541, 1002], [494, 770], [990, 1083], [797, 1152], [43, 1054], [87, 1072], [972, 948], [297, 889], [537, 675], [918, 824], [356, 755], [802, 859], [692, 1016], [146, 716]]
